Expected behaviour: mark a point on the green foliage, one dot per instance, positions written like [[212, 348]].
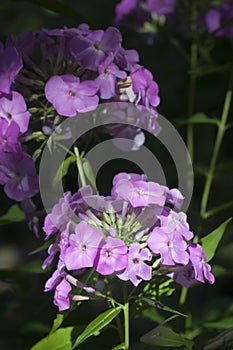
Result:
[[63, 169], [211, 241], [59, 340], [164, 336], [97, 324], [14, 214]]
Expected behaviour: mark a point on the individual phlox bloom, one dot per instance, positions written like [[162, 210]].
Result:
[[10, 65], [61, 295], [185, 277], [61, 286], [198, 260], [146, 88], [69, 96], [137, 270], [15, 109], [216, 18], [161, 7], [174, 196], [108, 73], [124, 8], [127, 59], [91, 50], [112, 257], [58, 218], [18, 174], [140, 193], [84, 246], [171, 247], [176, 222], [9, 133]]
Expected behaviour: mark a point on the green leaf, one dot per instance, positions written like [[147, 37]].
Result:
[[43, 247], [97, 324], [14, 214], [198, 118], [211, 241], [57, 322], [159, 305], [63, 169], [221, 340], [32, 267], [59, 340], [89, 172], [222, 324], [163, 336]]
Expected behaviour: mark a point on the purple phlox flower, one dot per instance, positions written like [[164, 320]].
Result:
[[56, 277], [61, 295], [218, 16], [9, 133], [161, 7], [18, 174], [91, 50], [10, 65], [127, 59], [185, 276], [26, 43], [60, 215], [15, 109], [70, 96], [140, 193], [125, 176], [137, 270], [124, 8], [176, 222], [198, 260], [174, 196], [108, 74], [146, 88], [126, 138], [61, 286], [113, 256], [171, 247], [84, 246], [32, 219]]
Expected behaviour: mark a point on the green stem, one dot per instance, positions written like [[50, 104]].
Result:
[[191, 99], [126, 322], [218, 142], [80, 166]]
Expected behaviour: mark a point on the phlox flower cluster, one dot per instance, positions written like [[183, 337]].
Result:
[[50, 75], [131, 234]]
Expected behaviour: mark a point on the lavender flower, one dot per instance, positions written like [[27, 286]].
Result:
[[69, 95], [198, 260], [84, 244], [161, 7], [145, 87], [15, 109], [91, 50], [171, 247], [137, 270], [18, 175], [112, 257], [10, 65], [218, 17], [107, 82], [9, 134]]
